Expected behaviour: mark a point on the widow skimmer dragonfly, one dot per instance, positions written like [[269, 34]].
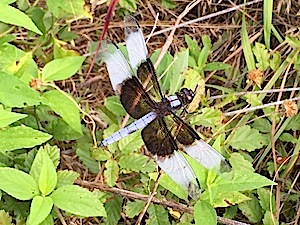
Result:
[[161, 140]]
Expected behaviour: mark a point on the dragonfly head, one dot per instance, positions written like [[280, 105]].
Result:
[[185, 96]]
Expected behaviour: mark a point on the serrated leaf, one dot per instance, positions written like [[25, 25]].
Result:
[[270, 219], [262, 56], [114, 105], [137, 162], [209, 117], [131, 143], [251, 209], [204, 213], [12, 179], [19, 137], [262, 124], [238, 162], [68, 9], [100, 154], [8, 117], [83, 152], [252, 99], [111, 172], [53, 152], [157, 215], [264, 196], [224, 199], [114, 207], [14, 16], [77, 200], [66, 177], [294, 123], [48, 177], [40, 208], [65, 107], [61, 69], [239, 181], [286, 137], [14, 93], [133, 208], [275, 61], [247, 138]]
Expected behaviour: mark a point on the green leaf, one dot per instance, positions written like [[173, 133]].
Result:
[[66, 177], [63, 105], [131, 143], [239, 181], [204, 213], [133, 208], [39, 210], [216, 66], [224, 199], [265, 198], [61, 69], [111, 172], [238, 162], [294, 123], [262, 56], [19, 137], [270, 219], [8, 117], [130, 5], [205, 51], [137, 162], [48, 177], [100, 154], [68, 9], [209, 117], [178, 70], [14, 16], [84, 154], [157, 215], [12, 179], [14, 93], [252, 210], [252, 99], [168, 4], [193, 46], [275, 61], [114, 207], [286, 137], [263, 125], [62, 131], [77, 200], [246, 46], [170, 185], [114, 105], [247, 138]]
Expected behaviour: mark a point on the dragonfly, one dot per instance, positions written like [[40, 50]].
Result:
[[164, 141]]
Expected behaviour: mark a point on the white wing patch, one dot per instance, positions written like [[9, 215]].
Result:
[[177, 167], [118, 68], [203, 153], [135, 42]]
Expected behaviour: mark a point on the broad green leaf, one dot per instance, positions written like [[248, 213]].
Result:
[[77, 200], [275, 61], [19, 137], [111, 172], [131, 143], [252, 99], [204, 213], [60, 52], [68, 9], [238, 162], [193, 46], [262, 56], [270, 219], [113, 208], [294, 123], [12, 179], [247, 138], [84, 154], [224, 199], [157, 215], [16, 17], [62, 131], [14, 93], [216, 66], [262, 124], [209, 117], [8, 117], [100, 154], [66, 177], [114, 105], [205, 51], [252, 210], [133, 208], [48, 176], [264, 196], [40, 208], [53, 152], [128, 4], [5, 218], [170, 185], [239, 181], [48, 221], [293, 41], [286, 137], [168, 4], [178, 70], [61, 69], [137, 162], [63, 105]]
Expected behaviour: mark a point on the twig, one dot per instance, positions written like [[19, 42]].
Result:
[[151, 196], [61, 218], [258, 107], [207, 17], [166, 203]]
